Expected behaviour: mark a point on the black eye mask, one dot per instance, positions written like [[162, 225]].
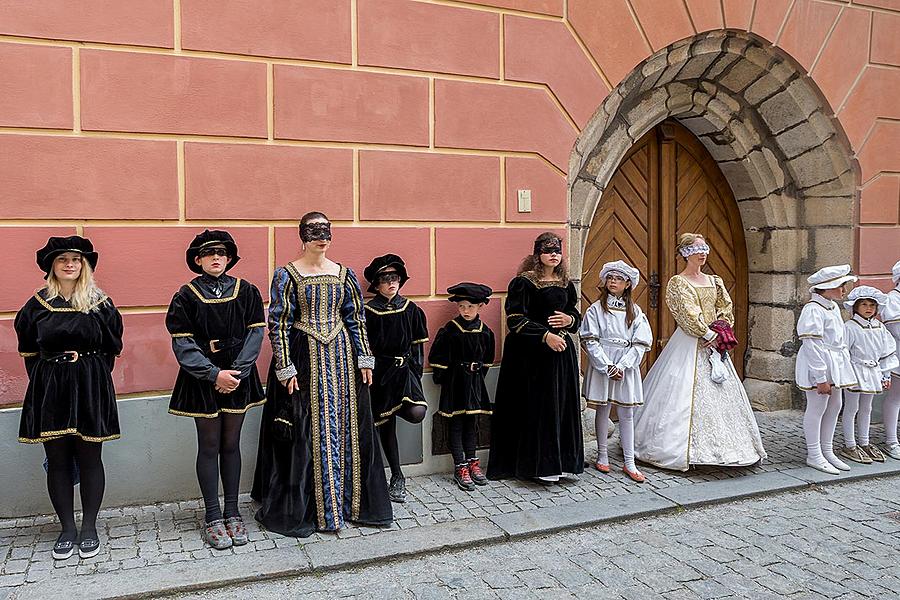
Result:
[[315, 232], [547, 247]]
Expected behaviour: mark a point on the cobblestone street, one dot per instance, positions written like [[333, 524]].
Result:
[[841, 542], [143, 536]]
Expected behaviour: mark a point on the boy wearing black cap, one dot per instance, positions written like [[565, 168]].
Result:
[[217, 323], [463, 351], [397, 334]]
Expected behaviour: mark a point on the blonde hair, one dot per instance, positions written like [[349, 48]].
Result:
[[86, 296], [687, 239]]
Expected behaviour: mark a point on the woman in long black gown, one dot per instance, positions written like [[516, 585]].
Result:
[[318, 464], [69, 334], [536, 425]]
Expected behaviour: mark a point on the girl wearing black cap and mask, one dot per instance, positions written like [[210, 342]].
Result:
[[536, 425], [318, 464], [397, 334], [69, 334], [217, 323]]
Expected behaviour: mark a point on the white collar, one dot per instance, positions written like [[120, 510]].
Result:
[[870, 323], [822, 301]]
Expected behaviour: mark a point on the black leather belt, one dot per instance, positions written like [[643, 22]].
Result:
[[219, 345], [472, 367], [399, 361], [69, 356]]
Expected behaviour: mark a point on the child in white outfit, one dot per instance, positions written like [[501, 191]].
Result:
[[823, 366], [615, 333], [873, 355]]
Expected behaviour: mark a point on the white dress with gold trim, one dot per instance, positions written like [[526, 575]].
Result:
[[687, 419]]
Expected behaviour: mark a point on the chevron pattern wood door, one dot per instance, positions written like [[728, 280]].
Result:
[[668, 184]]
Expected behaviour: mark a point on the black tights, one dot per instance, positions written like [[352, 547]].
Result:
[[60, 456], [414, 413], [463, 437], [219, 446]]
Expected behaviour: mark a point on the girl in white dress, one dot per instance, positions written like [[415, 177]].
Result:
[[823, 366], [873, 353], [890, 316], [615, 334], [688, 417]]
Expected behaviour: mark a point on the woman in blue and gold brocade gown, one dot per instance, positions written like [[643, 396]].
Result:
[[318, 464]]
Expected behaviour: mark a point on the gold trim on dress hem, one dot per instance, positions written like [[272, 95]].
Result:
[[232, 411], [49, 436], [252, 325], [388, 414], [182, 335], [205, 300], [465, 412], [597, 403]]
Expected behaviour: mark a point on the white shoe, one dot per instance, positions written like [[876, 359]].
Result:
[[893, 450], [549, 479], [823, 466], [838, 463], [570, 477]]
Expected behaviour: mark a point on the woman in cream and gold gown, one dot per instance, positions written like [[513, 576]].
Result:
[[687, 418]]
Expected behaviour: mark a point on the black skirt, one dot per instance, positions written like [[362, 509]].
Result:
[[287, 483], [194, 397]]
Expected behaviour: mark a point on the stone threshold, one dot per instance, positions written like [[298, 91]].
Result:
[[337, 554]]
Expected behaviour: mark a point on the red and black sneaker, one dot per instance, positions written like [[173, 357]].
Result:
[[463, 478], [476, 473]]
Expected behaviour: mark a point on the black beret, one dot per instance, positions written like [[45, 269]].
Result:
[[210, 238], [57, 245], [475, 293], [381, 263]]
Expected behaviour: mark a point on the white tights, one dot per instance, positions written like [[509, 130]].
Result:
[[819, 422], [891, 410], [626, 434], [858, 409]]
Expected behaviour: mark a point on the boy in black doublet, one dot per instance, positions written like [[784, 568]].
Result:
[[397, 334], [217, 323], [463, 351]]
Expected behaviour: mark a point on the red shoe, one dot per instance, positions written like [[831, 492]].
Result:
[[476, 473], [636, 476], [463, 478], [601, 467]]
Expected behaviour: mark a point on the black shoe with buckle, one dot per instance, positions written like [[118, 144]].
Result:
[[89, 545], [64, 546], [397, 489]]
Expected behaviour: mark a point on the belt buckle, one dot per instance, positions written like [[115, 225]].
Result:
[[213, 346], [73, 354], [473, 367], [399, 361]]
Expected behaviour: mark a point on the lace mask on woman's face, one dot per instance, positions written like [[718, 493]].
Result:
[[694, 249], [315, 232], [548, 247]]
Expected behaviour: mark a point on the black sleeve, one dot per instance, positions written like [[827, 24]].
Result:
[[26, 332], [187, 352], [516, 309], [439, 355], [111, 325], [420, 336], [572, 308], [255, 324]]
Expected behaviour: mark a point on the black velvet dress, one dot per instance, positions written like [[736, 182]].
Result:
[[216, 323], [397, 334], [536, 425], [461, 355], [318, 464], [68, 398]]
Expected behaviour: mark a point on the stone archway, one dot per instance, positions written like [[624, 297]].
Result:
[[783, 153]]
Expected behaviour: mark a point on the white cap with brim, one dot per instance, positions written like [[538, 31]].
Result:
[[622, 268], [865, 292], [828, 278]]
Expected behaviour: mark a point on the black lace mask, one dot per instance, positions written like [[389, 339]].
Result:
[[548, 246], [314, 232]]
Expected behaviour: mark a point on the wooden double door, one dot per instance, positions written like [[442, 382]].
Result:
[[666, 185]]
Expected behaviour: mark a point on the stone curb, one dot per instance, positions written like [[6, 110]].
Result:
[[157, 580]]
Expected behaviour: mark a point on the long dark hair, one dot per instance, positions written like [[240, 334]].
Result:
[[532, 262], [626, 296]]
